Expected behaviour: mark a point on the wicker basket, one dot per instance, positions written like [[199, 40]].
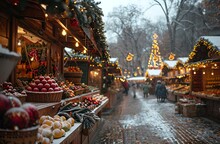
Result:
[[24, 136], [22, 98], [44, 97], [74, 77]]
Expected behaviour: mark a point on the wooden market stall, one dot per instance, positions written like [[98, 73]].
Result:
[[35, 31], [153, 75], [176, 76], [114, 86], [204, 63], [169, 73]]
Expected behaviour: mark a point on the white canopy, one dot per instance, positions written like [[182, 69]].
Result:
[[153, 72], [183, 60], [170, 63], [137, 79]]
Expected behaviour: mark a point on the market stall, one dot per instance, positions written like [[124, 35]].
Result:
[[153, 75], [176, 76], [37, 35], [204, 75], [114, 86]]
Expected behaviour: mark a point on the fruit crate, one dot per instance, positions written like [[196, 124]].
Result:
[[23, 136], [44, 97]]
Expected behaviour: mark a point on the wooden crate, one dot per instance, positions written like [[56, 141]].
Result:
[[189, 110]]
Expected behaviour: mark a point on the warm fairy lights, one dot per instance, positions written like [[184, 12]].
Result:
[[64, 32], [155, 61], [77, 44], [201, 44]]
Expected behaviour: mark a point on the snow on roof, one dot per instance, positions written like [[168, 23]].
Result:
[[170, 63], [215, 40], [154, 72], [136, 79], [183, 59], [113, 60]]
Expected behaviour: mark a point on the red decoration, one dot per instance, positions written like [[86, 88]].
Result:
[[14, 2], [74, 22]]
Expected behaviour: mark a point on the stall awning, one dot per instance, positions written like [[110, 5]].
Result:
[[170, 63], [206, 48], [137, 79], [154, 72]]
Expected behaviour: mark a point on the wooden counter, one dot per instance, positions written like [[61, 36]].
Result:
[[75, 135]]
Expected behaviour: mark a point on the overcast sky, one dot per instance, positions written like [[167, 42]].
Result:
[[154, 13]]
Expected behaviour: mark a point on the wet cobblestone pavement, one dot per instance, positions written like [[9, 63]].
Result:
[[145, 121]]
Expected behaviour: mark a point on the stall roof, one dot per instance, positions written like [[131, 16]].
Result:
[[113, 60], [183, 60], [215, 40], [207, 48], [154, 72], [170, 63], [136, 79]]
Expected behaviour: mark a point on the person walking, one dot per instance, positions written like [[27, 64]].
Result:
[[160, 91], [126, 87], [146, 87], [134, 89]]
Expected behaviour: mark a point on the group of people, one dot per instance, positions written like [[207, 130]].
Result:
[[160, 89]]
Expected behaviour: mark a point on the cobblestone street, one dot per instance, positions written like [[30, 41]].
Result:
[[145, 121]]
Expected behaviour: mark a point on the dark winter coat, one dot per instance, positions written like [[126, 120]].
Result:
[[161, 90]]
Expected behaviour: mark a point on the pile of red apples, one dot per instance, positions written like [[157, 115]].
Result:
[[43, 84]]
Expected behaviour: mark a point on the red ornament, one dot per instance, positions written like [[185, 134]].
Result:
[[74, 22], [14, 2]]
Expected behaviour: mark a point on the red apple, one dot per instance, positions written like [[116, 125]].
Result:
[[15, 102], [11, 90], [10, 87], [4, 85], [37, 81], [47, 85], [40, 86], [9, 83], [50, 89], [41, 77], [28, 88], [32, 112], [53, 81], [4, 105], [16, 118], [44, 81], [57, 89], [36, 89], [53, 85], [44, 89], [47, 77], [32, 85], [50, 81]]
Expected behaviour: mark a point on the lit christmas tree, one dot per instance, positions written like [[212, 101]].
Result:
[[155, 61]]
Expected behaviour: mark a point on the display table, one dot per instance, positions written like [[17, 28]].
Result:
[[73, 136], [76, 135], [48, 108]]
